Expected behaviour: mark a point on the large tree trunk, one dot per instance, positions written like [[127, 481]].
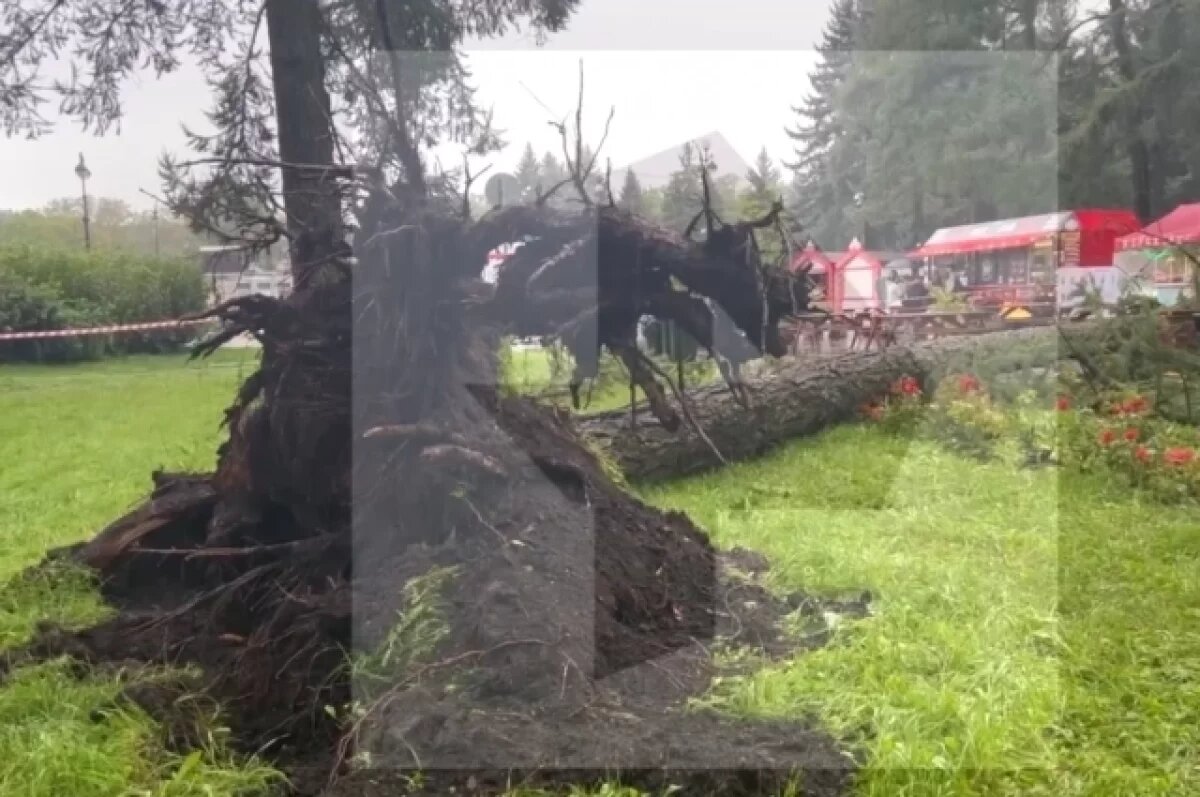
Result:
[[802, 397], [1135, 142], [305, 131]]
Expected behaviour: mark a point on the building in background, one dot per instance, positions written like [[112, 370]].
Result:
[[232, 270], [1043, 259]]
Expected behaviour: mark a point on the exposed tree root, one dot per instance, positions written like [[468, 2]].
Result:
[[372, 448]]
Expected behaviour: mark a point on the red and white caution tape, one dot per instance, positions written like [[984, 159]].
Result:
[[104, 330]]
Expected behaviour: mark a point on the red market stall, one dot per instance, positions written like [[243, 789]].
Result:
[[811, 259], [818, 266], [857, 277], [1178, 228], [1032, 259], [1163, 252]]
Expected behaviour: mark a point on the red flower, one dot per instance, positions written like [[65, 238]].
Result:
[[873, 411], [1142, 454], [1063, 404], [1179, 456], [1133, 406], [968, 384], [1106, 437], [1131, 434], [908, 386]]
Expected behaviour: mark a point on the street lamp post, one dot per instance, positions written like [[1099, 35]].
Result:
[[81, 171], [156, 228]]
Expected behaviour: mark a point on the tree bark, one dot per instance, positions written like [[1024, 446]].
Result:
[[802, 398], [1135, 143], [305, 131], [1027, 10]]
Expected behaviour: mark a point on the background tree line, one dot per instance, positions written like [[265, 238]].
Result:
[[114, 226], [922, 116], [139, 269], [44, 288], [677, 201]]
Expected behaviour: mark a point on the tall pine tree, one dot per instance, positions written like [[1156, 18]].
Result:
[[816, 128], [765, 182], [682, 195], [764, 188], [818, 182], [528, 174], [1128, 108], [552, 172], [632, 198]]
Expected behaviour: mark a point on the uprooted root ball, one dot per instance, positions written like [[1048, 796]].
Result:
[[395, 564]]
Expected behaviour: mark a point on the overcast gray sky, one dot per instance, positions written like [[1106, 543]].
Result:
[[673, 70]]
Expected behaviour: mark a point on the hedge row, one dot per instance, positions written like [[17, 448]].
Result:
[[44, 289]]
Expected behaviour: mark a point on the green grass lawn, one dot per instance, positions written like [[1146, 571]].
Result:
[[1034, 632], [77, 445]]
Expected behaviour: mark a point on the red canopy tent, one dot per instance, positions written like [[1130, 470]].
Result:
[[991, 236], [496, 257], [818, 266], [1180, 226], [1159, 251], [1028, 256], [1086, 237]]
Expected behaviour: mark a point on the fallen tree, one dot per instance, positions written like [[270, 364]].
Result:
[[797, 397], [395, 564]]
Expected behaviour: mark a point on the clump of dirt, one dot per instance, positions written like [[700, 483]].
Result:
[[373, 448]]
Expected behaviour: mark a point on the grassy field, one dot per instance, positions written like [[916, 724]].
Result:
[[1033, 632], [78, 444]]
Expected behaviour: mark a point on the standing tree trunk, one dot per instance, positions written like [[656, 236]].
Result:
[[1135, 143], [305, 130], [1028, 11]]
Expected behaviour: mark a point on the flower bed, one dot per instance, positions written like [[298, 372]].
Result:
[[960, 413], [1123, 436], [1126, 437]]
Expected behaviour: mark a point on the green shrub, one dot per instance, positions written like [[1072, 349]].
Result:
[[902, 409], [28, 307], [1139, 351], [964, 417], [48, 289], [960, 414]]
